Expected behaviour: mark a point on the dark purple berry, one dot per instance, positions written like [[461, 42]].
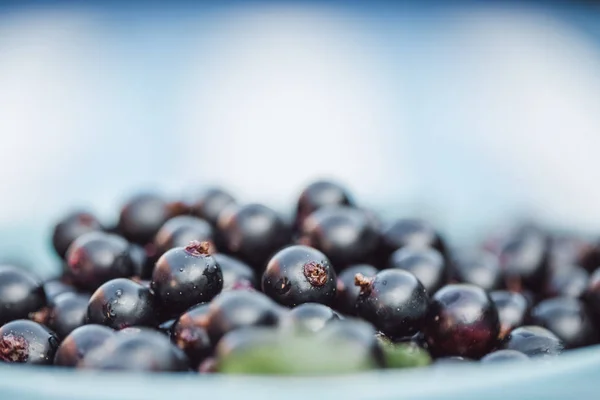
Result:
[[411, 233], [513, 310], [309, 317], [180, 231], [95, 258], [236, 273], [120, 303], [209, 203], [534, 341], [347, 291], [299, 274], [462, 321], [427, 264], [345, 234], [21, 293], [253, 233], [479, 268], [70, 228], [238, 309], [317, 195], [142, 260], [524, 260], [503, 356], [394, 301], [186, 276], [568, 319], [54, 287], [79, 342], [190, 334], [24, 341], [67, 312], [142, 216], [142, 350]]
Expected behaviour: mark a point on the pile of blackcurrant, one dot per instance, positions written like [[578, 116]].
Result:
[[215, 286]]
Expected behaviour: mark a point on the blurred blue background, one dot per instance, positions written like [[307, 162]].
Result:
[[468, 113]]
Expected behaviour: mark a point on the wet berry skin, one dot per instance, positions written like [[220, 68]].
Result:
[[503, 356], [347, 291], [186, 276], [299, 274], [236, 273], [394, 301], [142, 216], [513, 310], [95, 258], [317, 195], [24, 341], [309, 317], [412, 233], [67, 312], [480, 268], [189, 333], [120, 303], [253, 233], [142, 350], [79, 342], [346, 235], [21, 293], [70, 228], [427, 264], [142, 260], [238, 309], [180, 231], [534, 341], [568, 319], [462, 321], [209, 203], [55, 287], [567, 280]]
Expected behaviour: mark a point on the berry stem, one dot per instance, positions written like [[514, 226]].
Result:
[[363, 282]]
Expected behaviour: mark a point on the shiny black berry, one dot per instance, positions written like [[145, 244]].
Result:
[[427, 264], [317, 195], [253, 233], [345, 234], [70, 228], [21, 293], [24, 341], [534, 341], [394, 301], [180, 231], [190, 334], [462, 321], [67, 312], [513, 310], [568, 319], [524, 260], [79, 342], [186, 276], [309, 318], [142, 216], [236, 273], [481, 268], [567, 280], [410, 232], [54, 287], [347, 292], [95, 258], [503, 356], [209, 203], [142, 259], [299, 274], [120, 303], [140, 350], [238, 309]]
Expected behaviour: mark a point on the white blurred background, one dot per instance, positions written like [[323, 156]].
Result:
[[467, 115]]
